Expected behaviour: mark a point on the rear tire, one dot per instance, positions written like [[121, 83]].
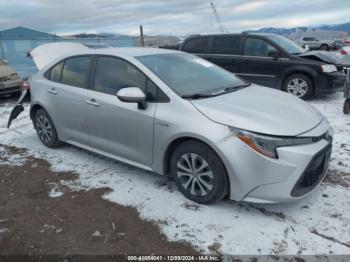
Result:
[[298, 85], [324, 47], [199, 172], [46, 129]]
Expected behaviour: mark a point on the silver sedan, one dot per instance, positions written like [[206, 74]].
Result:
[[178, 115]]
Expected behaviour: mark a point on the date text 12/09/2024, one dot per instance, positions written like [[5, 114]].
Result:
[[207, 258]]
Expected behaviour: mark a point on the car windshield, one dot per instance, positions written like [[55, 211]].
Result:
[[286, 44], [189, 75]]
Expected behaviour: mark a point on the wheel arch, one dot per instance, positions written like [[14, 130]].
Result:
[[176, 142], [179, 140], [34, 108], [326, 45], [170, 149]]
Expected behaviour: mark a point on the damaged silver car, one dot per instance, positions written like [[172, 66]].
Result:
[[179, 115]]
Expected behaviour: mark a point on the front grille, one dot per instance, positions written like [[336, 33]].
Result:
[[314, 172]]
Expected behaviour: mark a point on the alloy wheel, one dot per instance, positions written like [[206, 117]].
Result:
[[195, 174], [44, 129], [297, 87]]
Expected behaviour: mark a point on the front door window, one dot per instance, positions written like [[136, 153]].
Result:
[[258, 47]]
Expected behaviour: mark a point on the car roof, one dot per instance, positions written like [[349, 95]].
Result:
[[46, 54], [234, 34], [125, 51]]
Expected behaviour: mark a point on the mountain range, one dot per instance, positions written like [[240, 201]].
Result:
[[345, 27]]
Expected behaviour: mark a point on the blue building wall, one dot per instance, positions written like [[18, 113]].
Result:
[[24, 33], [16, 42]]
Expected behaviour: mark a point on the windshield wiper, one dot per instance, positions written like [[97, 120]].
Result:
[[232, 88], [237, 87], [197, 96], [220, 92]]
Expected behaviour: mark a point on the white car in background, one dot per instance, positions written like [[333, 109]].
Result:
[[315, 43]]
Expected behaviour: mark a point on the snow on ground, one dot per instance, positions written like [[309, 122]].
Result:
[[318, 224]]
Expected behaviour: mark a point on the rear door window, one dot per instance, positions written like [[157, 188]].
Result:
[[226, 45], [75, 71], [258, 47], [197, 45], [55, 72]]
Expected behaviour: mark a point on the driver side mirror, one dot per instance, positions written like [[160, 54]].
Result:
[[133, 95]]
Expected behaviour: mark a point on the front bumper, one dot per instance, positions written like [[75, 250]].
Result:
[[10, 86], [297, 171], [310, 164], [330, 83]]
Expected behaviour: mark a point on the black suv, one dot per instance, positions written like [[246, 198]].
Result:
[[271, 60]]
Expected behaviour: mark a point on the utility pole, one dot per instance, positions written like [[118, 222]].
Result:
[[141, 36]]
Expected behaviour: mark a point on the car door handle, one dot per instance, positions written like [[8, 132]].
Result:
[[92, 102], [52, 91]]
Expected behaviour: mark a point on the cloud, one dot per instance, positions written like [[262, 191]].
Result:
[[250, 6], [179, 17]]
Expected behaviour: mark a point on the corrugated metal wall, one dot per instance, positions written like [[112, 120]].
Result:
[[16, 42]]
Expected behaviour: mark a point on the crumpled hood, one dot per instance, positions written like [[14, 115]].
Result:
[[262, 110], [324, 56]]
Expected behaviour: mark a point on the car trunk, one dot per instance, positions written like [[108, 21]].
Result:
[[47, 53]]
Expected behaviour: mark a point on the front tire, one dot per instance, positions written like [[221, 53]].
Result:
[[298, 85], [45, 129], [199, 172]]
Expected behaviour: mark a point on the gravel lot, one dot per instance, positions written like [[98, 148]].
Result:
[[77, 222], [71, 201]]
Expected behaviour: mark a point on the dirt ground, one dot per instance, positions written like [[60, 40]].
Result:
[[33, 223]]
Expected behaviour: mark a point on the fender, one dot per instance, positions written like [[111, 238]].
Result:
[[33, 105]]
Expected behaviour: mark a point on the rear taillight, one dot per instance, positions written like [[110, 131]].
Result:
[[343, 52], [26, 85]]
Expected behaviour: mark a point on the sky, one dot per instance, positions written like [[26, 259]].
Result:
[[176, 17]]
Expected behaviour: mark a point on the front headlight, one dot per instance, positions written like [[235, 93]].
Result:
[[266, 145], [328, 68]]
